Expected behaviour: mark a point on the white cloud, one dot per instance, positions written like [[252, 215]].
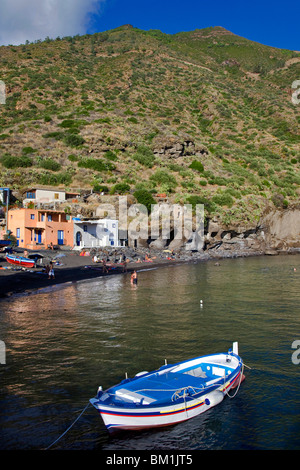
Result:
[[36, 19]]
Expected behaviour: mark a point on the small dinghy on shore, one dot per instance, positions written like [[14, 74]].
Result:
[[171, 394], [20, 261]]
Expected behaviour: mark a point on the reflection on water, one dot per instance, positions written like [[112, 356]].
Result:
[[61, 345]]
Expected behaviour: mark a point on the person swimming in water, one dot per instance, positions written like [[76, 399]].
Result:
[[133, 279]]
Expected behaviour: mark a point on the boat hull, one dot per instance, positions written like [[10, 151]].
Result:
[[20, 261], [149, 408], [134, 420]]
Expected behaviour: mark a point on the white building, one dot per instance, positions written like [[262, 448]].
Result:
[[4, 195], [96, 233], [47, 195]]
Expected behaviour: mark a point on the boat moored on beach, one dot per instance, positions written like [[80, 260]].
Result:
[[171, 394], [20, 261]]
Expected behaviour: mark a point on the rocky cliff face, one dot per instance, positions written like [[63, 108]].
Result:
[[277, 231], [282, 229]]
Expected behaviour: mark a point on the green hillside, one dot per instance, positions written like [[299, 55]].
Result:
[[204, 116]]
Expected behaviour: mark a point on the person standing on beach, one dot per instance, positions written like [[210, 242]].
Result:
[[105, 270], [51, 272]]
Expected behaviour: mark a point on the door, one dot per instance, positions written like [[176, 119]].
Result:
[[60, 237], [39, 236], [78, 238]]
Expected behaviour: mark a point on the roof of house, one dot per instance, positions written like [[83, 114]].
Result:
[[49, 188]]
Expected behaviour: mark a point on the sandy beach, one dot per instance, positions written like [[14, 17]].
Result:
[[70, 266]]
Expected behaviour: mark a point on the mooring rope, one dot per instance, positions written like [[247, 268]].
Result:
[[241, 377], [68, 427]]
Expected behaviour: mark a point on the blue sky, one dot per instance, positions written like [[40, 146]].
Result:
[[274, 23]]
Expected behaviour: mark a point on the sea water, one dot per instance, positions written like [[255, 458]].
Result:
[[61, 344]]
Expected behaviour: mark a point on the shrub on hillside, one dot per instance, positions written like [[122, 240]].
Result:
[[8, 161], [120, 188], [133, 120], [196, 199], [70, 137], [28, 150], [144, 197], [196, 165], [100, 188], [144, 156], [96, 164], [224, 199], [54, 179], [73, 140], [54, 135], [49, 164], [163, 178], [111, 156], [68, 123], [72, 158]]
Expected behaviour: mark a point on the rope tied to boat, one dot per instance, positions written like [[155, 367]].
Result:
[[238, 387], [63, 434], [185, 392]]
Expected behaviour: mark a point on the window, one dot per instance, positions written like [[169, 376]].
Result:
[[49, 218], [32, 216], [18, 233], [42, 217], [56, 196], [30, 195], [85, 228]]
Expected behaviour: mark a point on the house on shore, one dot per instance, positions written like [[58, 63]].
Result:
[[5, 197], [39, 195], [39, 228], [95, 233]]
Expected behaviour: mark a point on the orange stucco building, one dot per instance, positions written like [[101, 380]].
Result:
[[38, 228]]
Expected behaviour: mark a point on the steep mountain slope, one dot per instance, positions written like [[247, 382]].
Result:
[[204, 116]]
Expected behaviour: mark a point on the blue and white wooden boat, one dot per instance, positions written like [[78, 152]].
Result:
[[171, 394]]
